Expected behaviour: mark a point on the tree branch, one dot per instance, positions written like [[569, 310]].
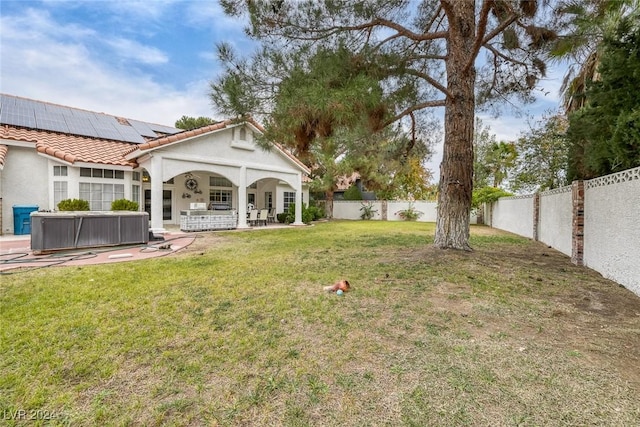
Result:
[[410, 110], [480, 30], [433, 82], [319, 34], [497, 53], [481, 38]]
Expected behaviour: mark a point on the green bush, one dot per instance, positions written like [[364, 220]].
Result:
[[487, 195], [124, 205], [282, 217], [308, 214], [367, 211], [409, 214], [73, 205], [353, 193], [316, 212]]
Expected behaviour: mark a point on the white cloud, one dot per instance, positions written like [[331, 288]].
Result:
[[56, 62], [131, 49]]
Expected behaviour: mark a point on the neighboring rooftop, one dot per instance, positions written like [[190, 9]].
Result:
[[31, 114]]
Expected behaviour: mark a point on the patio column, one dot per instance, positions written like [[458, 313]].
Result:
[[242, 198], [298, 213], [155, 172]]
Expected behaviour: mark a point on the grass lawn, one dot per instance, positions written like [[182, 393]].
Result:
[[236, 330]]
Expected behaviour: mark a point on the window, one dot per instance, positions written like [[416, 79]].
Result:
[[221, 196], [59, 171], [135, 193], [60, 192], [218, 181], [289, 199], [101, 173], [135, 176], [100, 196], [268, 199]]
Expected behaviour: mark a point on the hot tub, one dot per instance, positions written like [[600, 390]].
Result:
[[51, 231]]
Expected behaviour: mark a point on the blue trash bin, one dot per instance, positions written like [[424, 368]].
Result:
[[22, 218]]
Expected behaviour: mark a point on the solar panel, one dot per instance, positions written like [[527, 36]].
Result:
[[129, 133], [164, 129], [50, 118], [41, 115], [143, 128], [80, 126], [18, 117], [56, 125]]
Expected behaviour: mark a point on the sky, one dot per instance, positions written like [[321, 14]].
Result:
[[148, 60]]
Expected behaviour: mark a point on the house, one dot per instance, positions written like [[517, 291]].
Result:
[[345, 182], [51, 152]]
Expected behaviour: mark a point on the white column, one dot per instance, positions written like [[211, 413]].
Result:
[[298, 213], [242, 198], [155, 173]]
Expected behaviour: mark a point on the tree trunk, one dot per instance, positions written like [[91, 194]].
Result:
[[456, 169], [328, 206]]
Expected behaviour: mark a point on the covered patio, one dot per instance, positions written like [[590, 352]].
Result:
[[221, 168]]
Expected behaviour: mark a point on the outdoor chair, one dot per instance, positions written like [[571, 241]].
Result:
[[253, 217], [271, 217], [262, 218]]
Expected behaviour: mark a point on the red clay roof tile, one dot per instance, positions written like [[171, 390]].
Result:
[[3, 155], [72, 148]]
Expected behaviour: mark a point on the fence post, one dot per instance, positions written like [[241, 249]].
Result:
[[536, 215], [577, 234]]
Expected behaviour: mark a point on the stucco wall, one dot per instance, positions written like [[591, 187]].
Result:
[[514, 214], [428, 210], [23, 185], [612, 227], [350, 209], [556, 215], [611, 224]]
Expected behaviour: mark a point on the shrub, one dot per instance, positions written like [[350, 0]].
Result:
[[124, 205], [409, 214], [73, 205], [487, 195], [282, 217], [353, 193], [316, 212], [367, 211], [308, 214]]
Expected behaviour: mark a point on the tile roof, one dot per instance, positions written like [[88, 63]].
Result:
[[90, 149], [3, 155], [72, 148], [170, 139]]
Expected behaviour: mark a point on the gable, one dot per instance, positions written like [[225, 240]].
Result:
[[223, 142]]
